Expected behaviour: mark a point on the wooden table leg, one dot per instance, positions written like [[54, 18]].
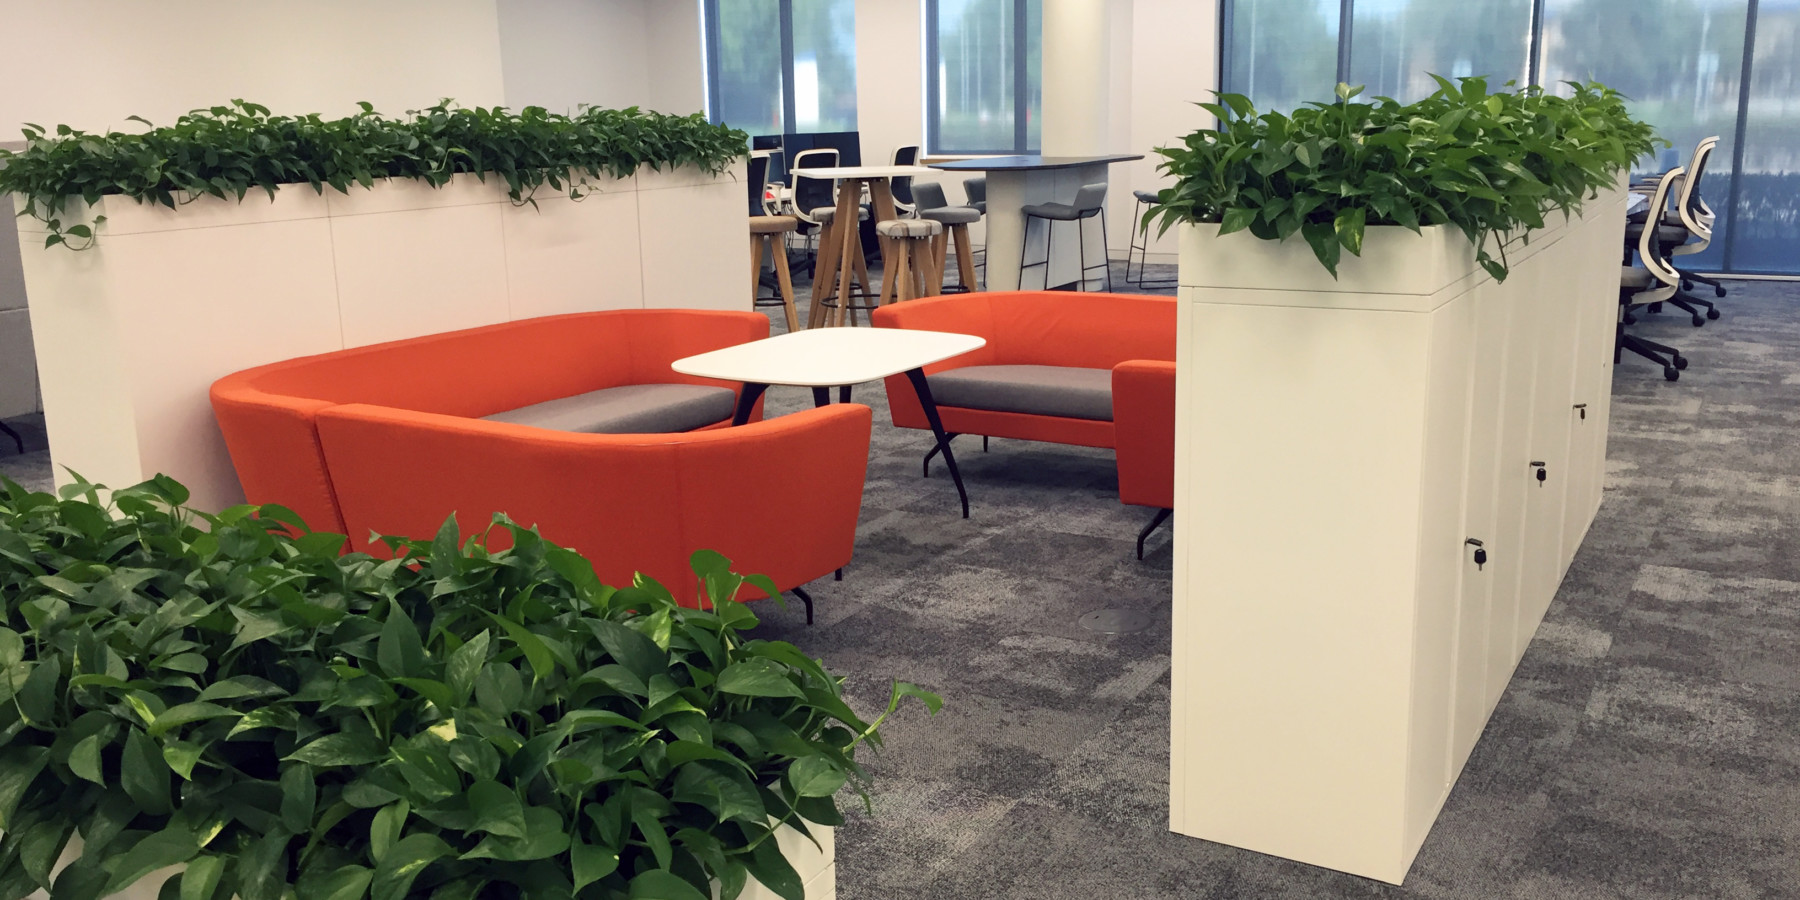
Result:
[[965, 258], [849, 195], [825, 270], [786, 280], [882, 209]]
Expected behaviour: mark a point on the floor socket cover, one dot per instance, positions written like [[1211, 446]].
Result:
[[1115, 621]]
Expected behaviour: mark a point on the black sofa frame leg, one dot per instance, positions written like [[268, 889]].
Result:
[[936, 449], [1162, 515], [806, 599]]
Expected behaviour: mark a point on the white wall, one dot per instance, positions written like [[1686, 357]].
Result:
[[676, 49], [559, 54], [91, 63]]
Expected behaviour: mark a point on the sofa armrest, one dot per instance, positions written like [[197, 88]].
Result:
[[779, 497], [1144, 431]]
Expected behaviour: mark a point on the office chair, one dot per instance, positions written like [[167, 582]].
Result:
[[902, 187], [1654, 280], [1690, 230]]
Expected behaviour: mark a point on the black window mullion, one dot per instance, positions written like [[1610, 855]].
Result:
[[714, 94], [1737, 143], [1534, 63], [789, 115], [1021, 83], [931, 76], [1346, 15]]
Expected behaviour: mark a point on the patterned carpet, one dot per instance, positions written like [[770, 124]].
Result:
[[1648, 746]]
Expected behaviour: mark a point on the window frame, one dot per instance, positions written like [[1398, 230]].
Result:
[[1021, 87], [711, 37]]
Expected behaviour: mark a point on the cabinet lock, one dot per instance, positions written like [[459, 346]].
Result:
[[1543, 474], [1480, 553], [1582, 407]]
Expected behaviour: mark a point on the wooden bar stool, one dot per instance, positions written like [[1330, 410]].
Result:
[[913, 271], [956, 221], [768, 233], [828, 307]]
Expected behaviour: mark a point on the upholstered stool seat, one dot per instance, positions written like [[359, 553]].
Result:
[[952, 215], [824, 214], [910, 272], [773, 224], [909, 228], [1144, 196]]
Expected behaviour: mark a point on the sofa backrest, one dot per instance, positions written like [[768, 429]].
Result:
[[1052, 328], [267, 413]]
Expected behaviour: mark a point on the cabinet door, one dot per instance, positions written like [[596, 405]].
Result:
[[1593, 382], [1553, 396], [1472, 699]]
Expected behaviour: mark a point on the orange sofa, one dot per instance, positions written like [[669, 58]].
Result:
[[390, 439], [1090, 369]]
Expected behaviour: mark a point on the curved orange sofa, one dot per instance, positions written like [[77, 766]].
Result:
[[1131, 334], [388, 439]]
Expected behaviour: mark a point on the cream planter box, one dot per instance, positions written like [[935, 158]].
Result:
[[816, 864], [131, 333], [1337, 648]]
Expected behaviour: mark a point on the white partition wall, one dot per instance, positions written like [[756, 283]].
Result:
[[132, 333], [1337, 649]]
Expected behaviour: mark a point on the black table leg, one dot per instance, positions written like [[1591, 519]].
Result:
[[747, 398], [920, 387], [843, 393], [18, 441], [821, 396]]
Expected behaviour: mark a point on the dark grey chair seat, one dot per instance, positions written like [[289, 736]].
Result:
[[1144, 196], [1636, 277], [1067, 391], [629, 409], [1061, 212], [952, 215]]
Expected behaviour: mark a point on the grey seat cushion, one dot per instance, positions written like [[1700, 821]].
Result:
[[630, 409], [952, 215], [1144, 196], [1636, 277], [1066, 391]]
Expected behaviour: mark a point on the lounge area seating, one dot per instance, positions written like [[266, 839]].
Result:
[[1093, 370], [573, 423]]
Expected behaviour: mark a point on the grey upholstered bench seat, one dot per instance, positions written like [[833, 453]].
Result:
[[629, 409], [1066, 391]]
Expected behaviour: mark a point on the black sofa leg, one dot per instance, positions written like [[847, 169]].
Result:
[[1162, 515], [806, 599]]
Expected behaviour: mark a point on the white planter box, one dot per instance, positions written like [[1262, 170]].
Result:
[[816, 866], [131, 333], [1337, 651]]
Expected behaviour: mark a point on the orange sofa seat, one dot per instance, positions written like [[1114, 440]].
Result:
[[388, 438]]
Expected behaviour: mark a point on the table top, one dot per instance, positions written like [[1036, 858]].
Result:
[[865, 172], [1009, 163], [828, 357]]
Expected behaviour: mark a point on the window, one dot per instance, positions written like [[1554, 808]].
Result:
[[781, 66], [1692, 68], [983, 76]]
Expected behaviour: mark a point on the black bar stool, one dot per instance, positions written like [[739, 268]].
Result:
[[1139, 249], [1090, 202]]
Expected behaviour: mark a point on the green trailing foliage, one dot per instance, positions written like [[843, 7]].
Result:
[[229, 694], [1491, 165], [229, 151]]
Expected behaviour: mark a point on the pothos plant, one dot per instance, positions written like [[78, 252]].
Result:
[[1491, 165], [228, 694], [231, 150]]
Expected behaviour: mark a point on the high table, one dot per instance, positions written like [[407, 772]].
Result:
[[837, 357], [835, 263], [1014, 182]]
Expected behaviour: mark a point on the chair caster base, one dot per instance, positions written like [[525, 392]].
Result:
[[1713, 313], [1680, 362], [1699, 321], [1671, 373]]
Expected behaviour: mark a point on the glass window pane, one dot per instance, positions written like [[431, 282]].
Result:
[[749, 65], [1034, 77], [1678, 61], [975, 76], [1766, 237], [1397, 45], [825, 65], [1282, 53]]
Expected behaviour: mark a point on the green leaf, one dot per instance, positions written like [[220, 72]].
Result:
[[187, 713], [298, 798], [384, 829], [341, 750], [84, 759], [775, 872], [628, 648], [497, 809], [464, 665], [171, 846], [723, 790], [758, 677], [400, 651], [815, 776], [1237, 218], [590, 863], [543, 664], [182, 756], [346, 883], [145, 774], [403, 863], [201, 877], [657, 884]]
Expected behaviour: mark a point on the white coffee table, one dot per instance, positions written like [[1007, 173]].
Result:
[[837, 357]]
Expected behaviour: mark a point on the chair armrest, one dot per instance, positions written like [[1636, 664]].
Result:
[[1144, 431], [779, 497]]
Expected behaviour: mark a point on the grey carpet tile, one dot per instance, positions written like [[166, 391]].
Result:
[[1648, 745]]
